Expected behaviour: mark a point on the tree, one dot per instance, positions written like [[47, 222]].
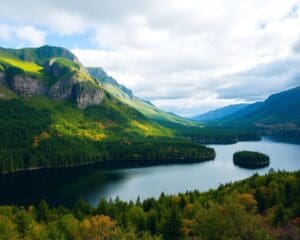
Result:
[[36, 231], [8, 229], [23, 221], [98, 227], [42, 212], [172, 229]]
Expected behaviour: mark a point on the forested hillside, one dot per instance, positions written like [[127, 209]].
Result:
[[278, 115], [54, 114], [258, 208]]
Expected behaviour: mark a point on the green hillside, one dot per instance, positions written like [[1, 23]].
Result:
[[198, 132], [278, 115], [126, 96], [54, 114], [283, 107]]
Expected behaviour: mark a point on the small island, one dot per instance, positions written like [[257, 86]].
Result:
[[249, 159]]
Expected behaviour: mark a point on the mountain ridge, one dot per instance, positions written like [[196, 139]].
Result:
[[219, 112], [282, 107]]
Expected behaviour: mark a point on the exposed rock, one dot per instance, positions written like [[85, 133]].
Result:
[[26, 86], [86, 95], [2, 78], [63, 88]]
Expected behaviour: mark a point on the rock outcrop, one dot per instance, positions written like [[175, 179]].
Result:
[[86, 95], [62, 89], [26, 85], [2, 78]]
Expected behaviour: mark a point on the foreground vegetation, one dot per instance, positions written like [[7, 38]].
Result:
[[260, 207], [251, 159]]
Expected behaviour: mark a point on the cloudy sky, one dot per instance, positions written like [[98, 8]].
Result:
[[184, 56]]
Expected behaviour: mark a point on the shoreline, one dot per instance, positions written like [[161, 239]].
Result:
[[117, 163]]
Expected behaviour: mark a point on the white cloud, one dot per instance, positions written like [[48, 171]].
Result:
[[30, 34], [185, 56], [27, 34]]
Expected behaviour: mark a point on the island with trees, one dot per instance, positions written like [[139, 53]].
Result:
[[249, 159]]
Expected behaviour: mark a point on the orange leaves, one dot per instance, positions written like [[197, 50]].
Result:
[[98, 227], [247, 200]]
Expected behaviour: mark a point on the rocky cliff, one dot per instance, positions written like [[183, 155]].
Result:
[[87, 95], [54, 72], [26, 86]]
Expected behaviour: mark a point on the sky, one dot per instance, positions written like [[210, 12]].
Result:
[[186, 57]]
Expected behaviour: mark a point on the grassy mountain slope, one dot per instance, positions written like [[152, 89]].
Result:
[[182, 127], [48, 128], [126, 96], [219, 113]]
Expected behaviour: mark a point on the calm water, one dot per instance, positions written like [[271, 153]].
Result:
[[64, 186]]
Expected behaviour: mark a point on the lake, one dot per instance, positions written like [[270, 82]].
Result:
[[91, 183]]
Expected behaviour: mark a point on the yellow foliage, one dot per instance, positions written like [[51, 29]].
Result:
[[40, 137], [189, 208], [247, 200], [188, 227], [92, 135], [37, 232], [98, 227], [176, 199], [141, 126]]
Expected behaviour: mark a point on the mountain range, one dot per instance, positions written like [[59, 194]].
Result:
[[219, 113], [278, 115], [279, 108]]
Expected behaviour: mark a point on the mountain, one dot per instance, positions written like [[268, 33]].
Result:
[[278, 116], [53, 113], [126, 96], [219, 113], [189, 129], [51, 71], [280, 108]]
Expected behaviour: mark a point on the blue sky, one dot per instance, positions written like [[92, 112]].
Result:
[[187, 57]]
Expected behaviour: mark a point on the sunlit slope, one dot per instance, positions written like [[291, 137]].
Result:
[[126, 96]]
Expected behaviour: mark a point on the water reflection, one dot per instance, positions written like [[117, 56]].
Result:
[[64, 186]]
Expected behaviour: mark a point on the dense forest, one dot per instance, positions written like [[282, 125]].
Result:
[[251, 159], [38, 132], [260, 207]]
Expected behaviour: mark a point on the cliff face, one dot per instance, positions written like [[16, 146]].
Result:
[[2, 78], [86, 95], [62, 89], [26, 86]]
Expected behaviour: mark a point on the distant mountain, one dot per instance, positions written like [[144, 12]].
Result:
[[219, 113], [280, 108]]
